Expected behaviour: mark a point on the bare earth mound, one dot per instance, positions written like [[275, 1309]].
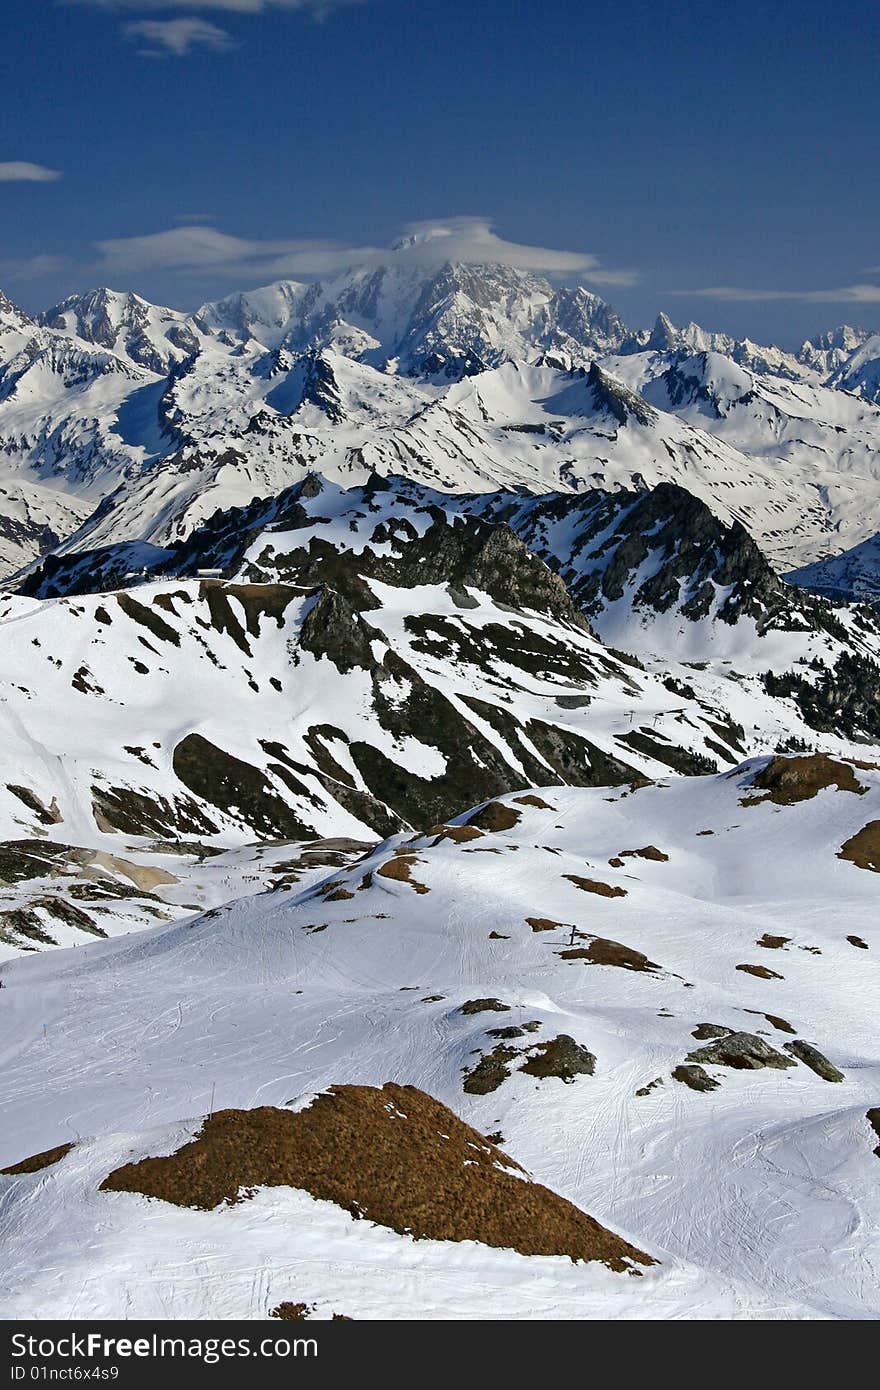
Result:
[[495, 816], [601, 951], [788, 780], [392, 1155], [399, 870], [37, 1162], [863, 848], [594, 885]]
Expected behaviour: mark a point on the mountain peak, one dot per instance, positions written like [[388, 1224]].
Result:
[[11, 316], [149, 335]]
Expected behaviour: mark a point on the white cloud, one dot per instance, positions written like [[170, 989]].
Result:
[[18, 171], [177, 36], [184, 248], [471, 240], [31, 267], [845, 294], [318, 9]]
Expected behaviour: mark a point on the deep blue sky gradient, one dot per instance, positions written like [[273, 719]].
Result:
[[700, 144]]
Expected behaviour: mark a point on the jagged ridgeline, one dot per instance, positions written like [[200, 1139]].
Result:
[[122, 420], [368, 671]]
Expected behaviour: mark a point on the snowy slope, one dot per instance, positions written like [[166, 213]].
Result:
[[853, 576], [220, 713], [860, 373], [820, 444], [374, 658], [658, 574], [757, 1195], [253, 423], [34, 520], [75, 416]]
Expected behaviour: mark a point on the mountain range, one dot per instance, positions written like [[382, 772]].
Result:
[[441, 733], [120, 419]]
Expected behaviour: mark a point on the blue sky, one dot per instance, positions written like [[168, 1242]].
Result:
[[718, 161]]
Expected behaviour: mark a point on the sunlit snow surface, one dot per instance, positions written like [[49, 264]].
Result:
[[760, 1199]]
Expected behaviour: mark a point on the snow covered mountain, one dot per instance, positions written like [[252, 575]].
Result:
[[429, 658], [34, 520], [445, 324], [827, 352], [691, 339], [860, 373], [408, 738], [433, 657], [12, 319], [463, 378], [146, 334], [660, 1002], [269, 417]]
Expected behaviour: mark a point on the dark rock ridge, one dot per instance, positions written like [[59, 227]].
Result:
[[691, 550]]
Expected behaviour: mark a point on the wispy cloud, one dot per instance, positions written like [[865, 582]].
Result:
[[733, 294], [31, 267], [197, 249], [176, 37], [19, 171], [317, 9]]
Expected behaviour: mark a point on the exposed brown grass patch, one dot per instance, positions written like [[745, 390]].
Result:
[[544, 924], [789, 780], [36, 1162], [649, 852], [863, 848], [482, 1006], [601, 951], [300, 1312], [857, 941], [398, 869], [773, 943], [293, 1312], [595, 885], [762, 972], [459, 834], [392, 1155], [340, 895], [531, 800], [496, 816], [781, 1024]]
